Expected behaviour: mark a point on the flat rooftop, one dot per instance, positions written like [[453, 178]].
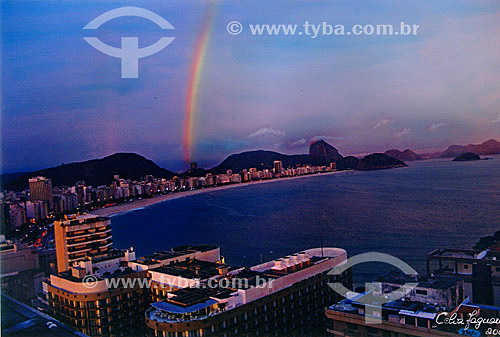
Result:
[[175, 252], [199, 248], [67, 275], [20, 320], [241, 279], [403, 307], [492, 255], [193, 269], [435, 282]]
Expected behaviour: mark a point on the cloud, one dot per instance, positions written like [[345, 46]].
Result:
[[298, 142], [326, 138], [383, 122], [404, 132], [266, 132], [497, 120], [436, 126]]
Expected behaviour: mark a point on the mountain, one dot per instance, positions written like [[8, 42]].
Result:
[[323, 153], [488, 147], [320, 153], [467, 156], [259, 159], [350, 163], [378, 161], [406, 155], [95, 172]]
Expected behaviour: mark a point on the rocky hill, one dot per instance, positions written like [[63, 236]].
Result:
[[406, 155], [259, 159], [95, 172], [378, 161], [488, 147], [323, 153]]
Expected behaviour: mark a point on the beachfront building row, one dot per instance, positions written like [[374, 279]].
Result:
[[42, 198]]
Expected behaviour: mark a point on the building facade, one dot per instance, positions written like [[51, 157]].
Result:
[[80, 237], [285, 297], [41, 190], [480, 271], [101, 296]]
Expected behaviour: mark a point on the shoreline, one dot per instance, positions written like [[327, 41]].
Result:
[[139, 204]]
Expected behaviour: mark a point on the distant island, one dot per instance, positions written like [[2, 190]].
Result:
[[378, 161], [467, 156]]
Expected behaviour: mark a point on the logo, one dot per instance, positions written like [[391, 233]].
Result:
[[234, 27], [129, 53], [373, 302], [90, 281]]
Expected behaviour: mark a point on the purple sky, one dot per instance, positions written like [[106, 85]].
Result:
[[64, 101]]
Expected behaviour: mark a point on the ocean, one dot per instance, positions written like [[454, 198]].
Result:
[[406, 212]]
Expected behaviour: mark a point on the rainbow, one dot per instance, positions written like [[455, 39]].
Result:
[[194, 81]]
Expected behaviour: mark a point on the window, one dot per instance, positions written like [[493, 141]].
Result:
[[351, 326], [421, 292], [466, 266]]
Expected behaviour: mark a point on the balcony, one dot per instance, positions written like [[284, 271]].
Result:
[[164, 312]]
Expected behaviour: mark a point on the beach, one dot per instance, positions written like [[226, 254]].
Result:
[[145, 202]]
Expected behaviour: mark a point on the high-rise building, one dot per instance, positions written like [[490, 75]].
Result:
[[101, 295], [79, 237], [398, 318], [81, 192], [479, 269], [285, 297], [20, 275], [41, 190], [108, 294], [278, 167], [17, 216], [434, 308]]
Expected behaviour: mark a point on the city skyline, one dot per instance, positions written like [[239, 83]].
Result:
[[362, 94]]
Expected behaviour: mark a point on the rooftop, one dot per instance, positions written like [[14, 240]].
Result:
[[67, 275], [74, 219], [194, 248], [466, 254], [397, 307], [435, 282], [175, 252], [20, 320], [193, 269]]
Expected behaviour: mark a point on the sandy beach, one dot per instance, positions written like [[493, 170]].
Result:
[[142, 203]]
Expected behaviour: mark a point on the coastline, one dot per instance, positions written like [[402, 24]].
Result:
[[143, 203]]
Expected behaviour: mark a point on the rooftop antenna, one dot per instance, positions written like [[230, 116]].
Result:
[[321, 238]]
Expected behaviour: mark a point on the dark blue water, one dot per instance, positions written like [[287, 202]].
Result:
[[405, 212]]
